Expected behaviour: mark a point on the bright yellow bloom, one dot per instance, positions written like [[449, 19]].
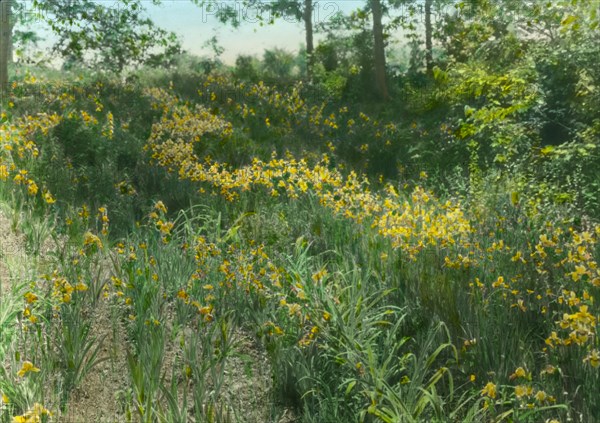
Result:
[[522, 390], [541, 396], [89, 239], [30, 297], [519, 373], [489, 390], [3, 172], [593, 358], [578, 273], [26, 368], [33, 415], [48, 198], [160, 206], [499, 283], [81, 287], [32, 187]]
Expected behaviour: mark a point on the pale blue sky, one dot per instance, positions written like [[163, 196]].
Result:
[[196, 25]]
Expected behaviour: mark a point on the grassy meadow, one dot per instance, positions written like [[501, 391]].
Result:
[[194, 248]]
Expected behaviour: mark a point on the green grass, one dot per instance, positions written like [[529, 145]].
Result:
[[353, 327]]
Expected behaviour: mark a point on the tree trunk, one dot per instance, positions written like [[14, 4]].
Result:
[[5, 36], [428, 36], [308, 28], [379, 50], [10, 36]]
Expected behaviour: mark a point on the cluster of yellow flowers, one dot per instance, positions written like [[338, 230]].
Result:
[[557, 272], [411, 224], [34, 415], [28, 312], [553, 274], [299, 109], [527, 395], [229, 269], [62, 289], [91, 243], [159, 221], [17, 146], [184, 122], [53, 287], [104, 220], [17, 139], [414, 223]]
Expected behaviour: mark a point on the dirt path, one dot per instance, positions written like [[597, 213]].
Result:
[[12, 253], [100, 397]]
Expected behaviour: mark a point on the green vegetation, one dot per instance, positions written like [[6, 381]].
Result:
[[263, 244]]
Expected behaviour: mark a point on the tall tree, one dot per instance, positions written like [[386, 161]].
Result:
[[299, 10], [428, 37], [114, 35], [308, 29], [365, 34], [5, 41], [379, 50]]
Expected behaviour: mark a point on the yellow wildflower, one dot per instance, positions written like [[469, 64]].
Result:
[[26, 368], [593, 358], [32, 187], [489, 390], [3, 172], [522, 390], [30, 297], [160, 206], [541, 396], [89, 239], [48, 198], [519, 373]]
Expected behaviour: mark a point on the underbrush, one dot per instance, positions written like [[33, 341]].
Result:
[[190, 244]]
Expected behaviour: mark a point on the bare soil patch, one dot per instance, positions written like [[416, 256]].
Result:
[[100, 397], [12, 252]]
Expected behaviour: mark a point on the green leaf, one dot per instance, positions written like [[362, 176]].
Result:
[[547, 150], [351, 386], [568, 20], [439, 75], [514, 198]]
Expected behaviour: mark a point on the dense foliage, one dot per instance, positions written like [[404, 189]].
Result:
[[432, 257]]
